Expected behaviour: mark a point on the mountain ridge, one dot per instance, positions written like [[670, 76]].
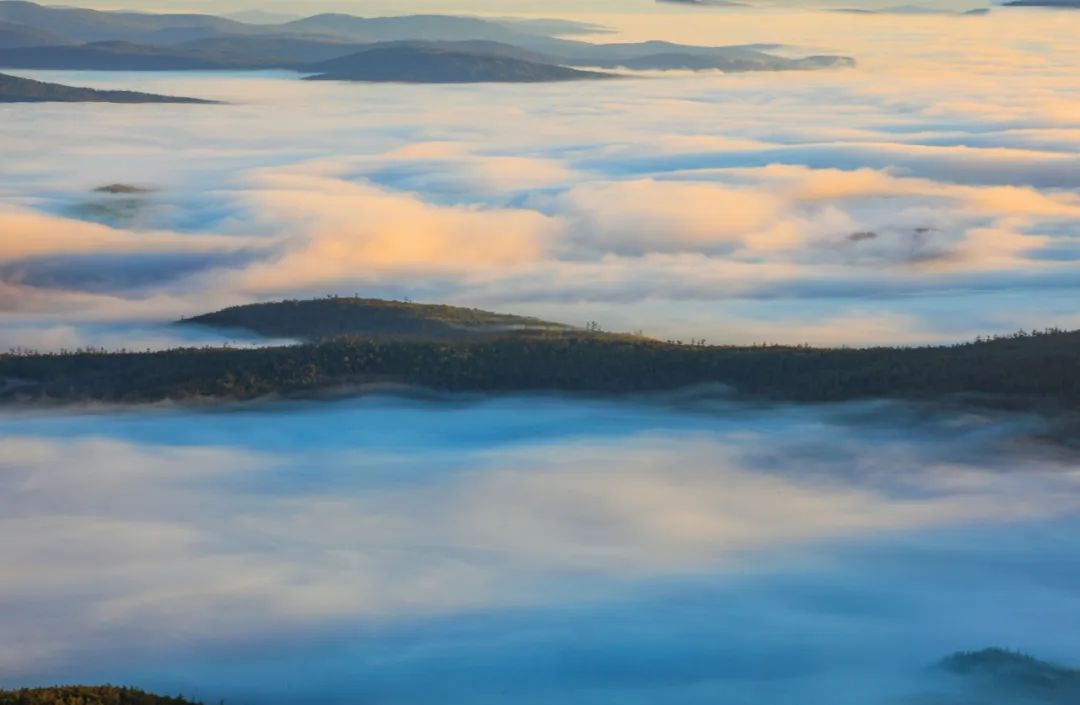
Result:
[[80, 39]]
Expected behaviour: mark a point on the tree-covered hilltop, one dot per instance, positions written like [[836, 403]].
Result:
[[1010, 673], [86, 695], [1027, 370], [330, 317]]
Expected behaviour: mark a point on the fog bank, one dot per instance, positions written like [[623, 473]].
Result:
[[530, 548]]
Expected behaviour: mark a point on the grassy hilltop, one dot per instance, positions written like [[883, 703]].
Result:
[[334, 317]]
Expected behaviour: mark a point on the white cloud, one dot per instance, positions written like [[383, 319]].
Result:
[[945, 165], [187, 542]]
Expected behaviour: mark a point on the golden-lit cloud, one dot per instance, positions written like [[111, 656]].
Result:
[[916, 174], [661, 216], [336, 230], [29, 233]]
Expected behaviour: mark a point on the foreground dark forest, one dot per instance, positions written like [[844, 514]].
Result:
[[1037, 370], [86, 695]]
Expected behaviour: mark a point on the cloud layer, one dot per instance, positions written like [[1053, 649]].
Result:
[[933, 187], [129, 542]]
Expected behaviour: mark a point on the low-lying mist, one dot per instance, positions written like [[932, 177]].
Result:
[[923, 196], [532, 549]]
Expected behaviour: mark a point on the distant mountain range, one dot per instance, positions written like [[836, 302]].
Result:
[[13, 35], [261, 17], [79, 25], [83, 25], [23, 90], [415, 48], [312, 55], [111, 56]]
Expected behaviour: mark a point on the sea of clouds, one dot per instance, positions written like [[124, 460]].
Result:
[[928, 195], [531, 549], [545, 549]]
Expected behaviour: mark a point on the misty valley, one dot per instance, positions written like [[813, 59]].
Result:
[[535, 352], [596, 550], [250, 532]]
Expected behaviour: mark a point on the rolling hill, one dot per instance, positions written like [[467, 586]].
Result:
[[1009, 676], [299, 53], [271, 51], [372, 318], [24, 90], [410, 62], [424, 64]]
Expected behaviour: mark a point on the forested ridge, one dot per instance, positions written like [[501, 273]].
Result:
[[1035, 369], [1012, 676]]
